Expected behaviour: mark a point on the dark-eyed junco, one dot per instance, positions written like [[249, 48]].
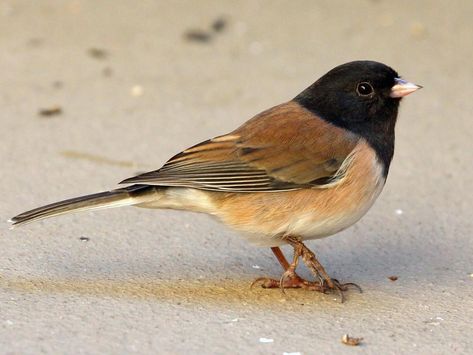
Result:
[[305, 169]]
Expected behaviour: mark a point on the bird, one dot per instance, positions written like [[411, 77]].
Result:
[[305, 169]]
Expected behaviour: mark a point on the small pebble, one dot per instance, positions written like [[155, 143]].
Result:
[[136, 91], [399, 212], [256, 267], [266, 340], [219, 24], [57, 84], [35, 42], [434, 321], [50, 111], [84, 239], [197, 36], [97, 53], [348, 340], [393, 278]]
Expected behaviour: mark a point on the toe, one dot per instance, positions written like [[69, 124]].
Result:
[[265, 282]]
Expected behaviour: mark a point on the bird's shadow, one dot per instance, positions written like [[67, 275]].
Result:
[[368, 266]]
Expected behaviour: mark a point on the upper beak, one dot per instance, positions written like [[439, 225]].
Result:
[[403, 88]]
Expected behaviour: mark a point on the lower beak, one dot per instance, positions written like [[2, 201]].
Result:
[[403, 88]]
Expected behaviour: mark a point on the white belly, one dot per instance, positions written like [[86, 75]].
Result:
[[311, 226]]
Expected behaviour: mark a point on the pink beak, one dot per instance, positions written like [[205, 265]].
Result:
[[403, 88]]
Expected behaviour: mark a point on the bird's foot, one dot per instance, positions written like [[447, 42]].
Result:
[[326, 283], [289, 281]]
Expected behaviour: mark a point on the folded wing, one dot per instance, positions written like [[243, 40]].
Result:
[[284, 148]]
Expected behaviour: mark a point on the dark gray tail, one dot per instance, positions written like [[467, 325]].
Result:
[[127, 196]]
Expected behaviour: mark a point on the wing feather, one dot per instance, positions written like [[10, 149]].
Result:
[[284, 148]]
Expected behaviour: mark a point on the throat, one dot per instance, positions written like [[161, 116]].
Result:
[[381, 136], [384, 152]]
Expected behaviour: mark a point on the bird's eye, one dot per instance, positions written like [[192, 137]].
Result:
[[364, 89]]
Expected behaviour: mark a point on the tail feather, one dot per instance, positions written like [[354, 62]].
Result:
[[127, 196]]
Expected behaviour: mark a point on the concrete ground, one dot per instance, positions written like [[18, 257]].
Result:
[[135, 87]]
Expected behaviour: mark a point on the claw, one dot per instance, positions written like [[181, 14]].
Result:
[[266, 282], [340, 293], [341, 288], [354, 285], [345, 286], [281, 283], [293, 280]]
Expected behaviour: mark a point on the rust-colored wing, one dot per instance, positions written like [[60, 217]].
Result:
[[284, 148]]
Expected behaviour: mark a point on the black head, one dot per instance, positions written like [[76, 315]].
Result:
[[358, 96]]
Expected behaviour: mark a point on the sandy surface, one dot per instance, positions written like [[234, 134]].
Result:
[[170, 282]]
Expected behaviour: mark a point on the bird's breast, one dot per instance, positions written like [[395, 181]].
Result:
[[338, 207], [308, 213]]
